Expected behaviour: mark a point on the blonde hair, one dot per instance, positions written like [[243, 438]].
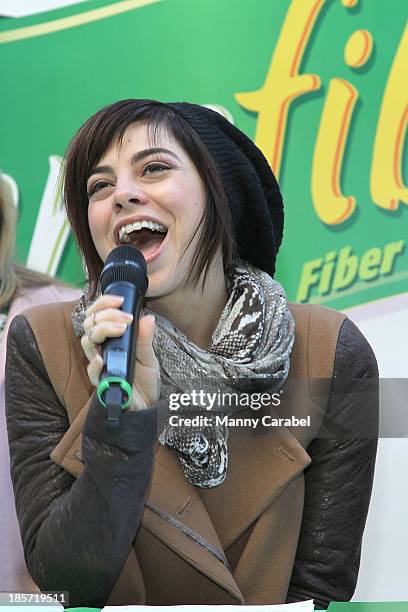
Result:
[[14, 276]]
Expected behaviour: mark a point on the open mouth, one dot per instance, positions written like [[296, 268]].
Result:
[[147, 236]]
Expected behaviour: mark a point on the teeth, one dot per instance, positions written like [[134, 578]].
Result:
[[138, 225]]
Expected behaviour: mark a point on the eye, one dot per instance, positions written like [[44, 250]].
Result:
[[154, 167], [98, 186]]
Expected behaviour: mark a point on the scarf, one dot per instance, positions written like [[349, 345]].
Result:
[[250, 350]]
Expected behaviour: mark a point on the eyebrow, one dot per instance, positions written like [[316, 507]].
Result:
[[137, 157]]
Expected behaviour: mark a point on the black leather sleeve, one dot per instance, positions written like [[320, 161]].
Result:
[[76, 533], [339, 479]]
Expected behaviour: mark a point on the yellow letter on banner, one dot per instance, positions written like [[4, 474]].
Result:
[[283, 83], [387, 188], [331, 205]]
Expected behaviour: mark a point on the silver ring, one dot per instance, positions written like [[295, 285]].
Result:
[[91, 331]]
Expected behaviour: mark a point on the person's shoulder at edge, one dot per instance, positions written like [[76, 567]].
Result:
[[38, 297], [42, 297], [44, 294]]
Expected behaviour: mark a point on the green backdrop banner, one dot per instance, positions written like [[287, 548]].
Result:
[[320, 85]]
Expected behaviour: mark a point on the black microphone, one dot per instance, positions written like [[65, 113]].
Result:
[[125, 274]]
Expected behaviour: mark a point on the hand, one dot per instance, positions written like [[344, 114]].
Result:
[[105, 320]]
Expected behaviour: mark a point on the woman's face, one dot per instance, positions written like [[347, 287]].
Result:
[[150, 197]]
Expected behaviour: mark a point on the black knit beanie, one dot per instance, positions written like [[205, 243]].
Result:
[[252, 190]]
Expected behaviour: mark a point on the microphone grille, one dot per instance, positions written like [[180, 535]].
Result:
[[125, 263]]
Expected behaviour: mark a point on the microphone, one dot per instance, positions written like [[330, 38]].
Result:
[[125, 274]]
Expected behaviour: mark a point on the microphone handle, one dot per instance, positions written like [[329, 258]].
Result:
[[119, 354]]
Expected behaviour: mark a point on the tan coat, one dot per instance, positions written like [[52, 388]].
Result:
[[250, 523]]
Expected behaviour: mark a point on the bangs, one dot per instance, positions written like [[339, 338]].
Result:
[[103, 130]]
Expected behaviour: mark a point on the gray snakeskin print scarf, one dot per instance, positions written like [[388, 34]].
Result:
[[250, 351]]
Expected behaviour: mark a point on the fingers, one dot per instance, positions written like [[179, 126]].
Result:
[[105, 301], [98, 333], [89, 348], [95, 365], [144, 343], [94, 369], [105, 319]]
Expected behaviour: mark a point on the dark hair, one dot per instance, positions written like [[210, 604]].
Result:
[[95, 137]]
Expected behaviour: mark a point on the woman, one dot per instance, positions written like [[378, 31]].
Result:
[[20, 288], [211, 513]]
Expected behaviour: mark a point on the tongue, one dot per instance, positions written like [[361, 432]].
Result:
[[146, 241]]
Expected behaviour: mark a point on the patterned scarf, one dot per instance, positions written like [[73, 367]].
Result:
[[250, 351]]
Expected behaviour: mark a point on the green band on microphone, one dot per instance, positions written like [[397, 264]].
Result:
[[107, 382]]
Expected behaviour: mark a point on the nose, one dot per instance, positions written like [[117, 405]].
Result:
[[129, 193]]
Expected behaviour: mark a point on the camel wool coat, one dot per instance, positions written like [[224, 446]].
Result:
[[112, 518]]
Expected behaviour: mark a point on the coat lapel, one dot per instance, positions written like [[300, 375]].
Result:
[[176, 515], [262, 463]]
